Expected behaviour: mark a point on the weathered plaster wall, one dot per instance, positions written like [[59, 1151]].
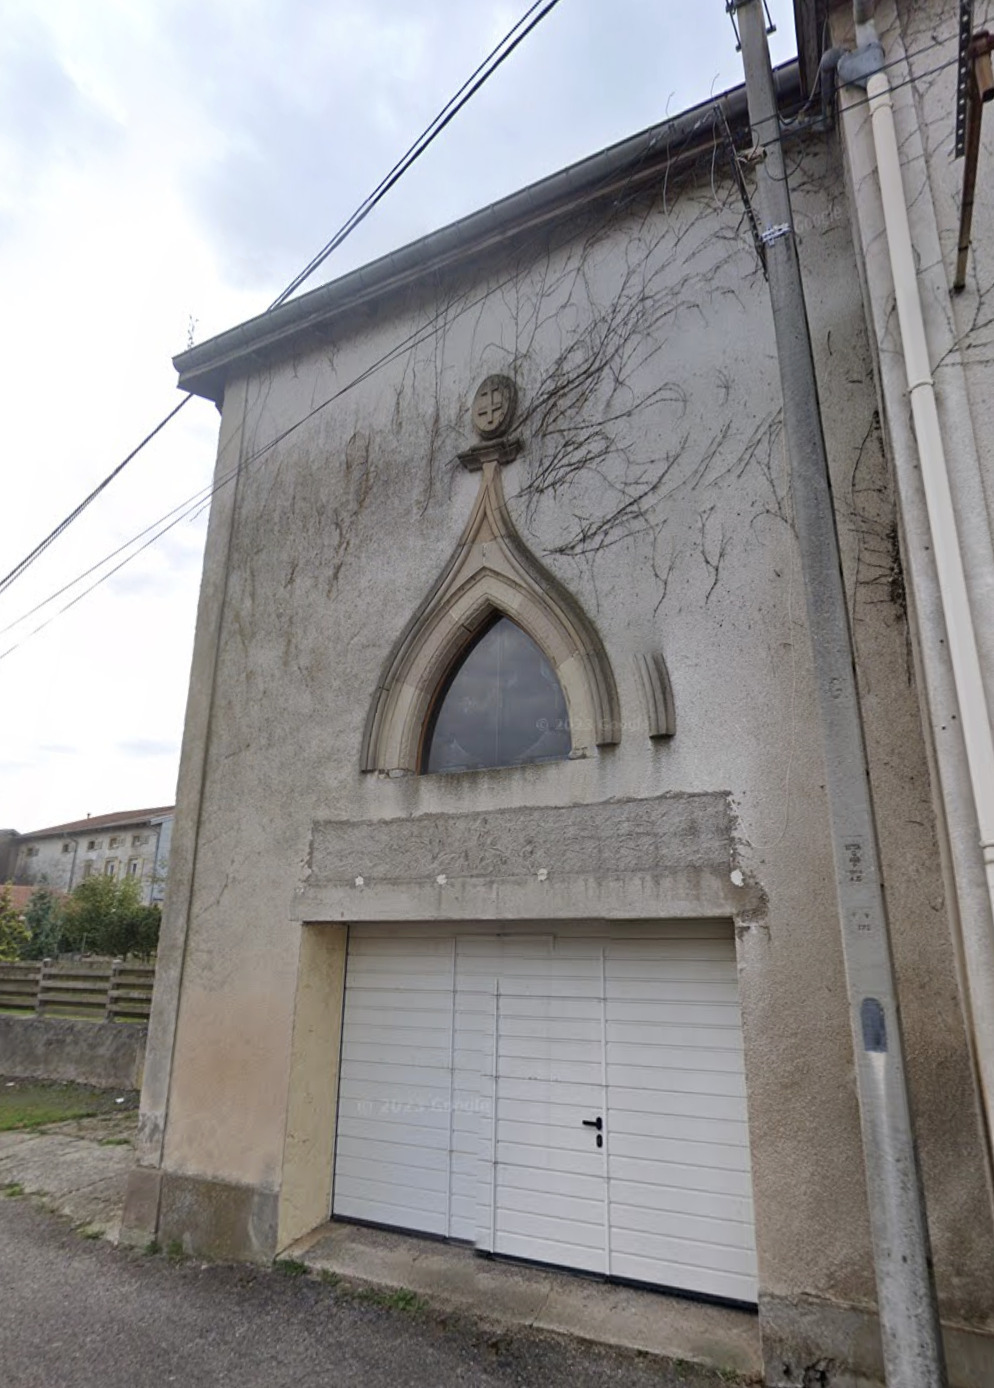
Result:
[[106, 1054], [653, 484]]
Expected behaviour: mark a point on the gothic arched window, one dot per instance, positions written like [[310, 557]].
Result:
[[502, 705]]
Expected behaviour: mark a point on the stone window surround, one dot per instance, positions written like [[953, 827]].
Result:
[[491, 571]]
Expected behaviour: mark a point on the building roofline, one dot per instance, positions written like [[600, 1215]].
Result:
[[204, 369], [102, 821]]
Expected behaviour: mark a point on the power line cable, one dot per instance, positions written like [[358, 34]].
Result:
[[200, 498], [53, 535], [453, 106], [205, 494]]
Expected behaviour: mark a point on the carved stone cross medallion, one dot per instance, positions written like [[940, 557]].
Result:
[[493, 406]]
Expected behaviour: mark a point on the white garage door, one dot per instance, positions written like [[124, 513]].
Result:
[[612, 1059]]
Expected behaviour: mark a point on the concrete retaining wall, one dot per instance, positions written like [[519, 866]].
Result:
[[111, 1054]]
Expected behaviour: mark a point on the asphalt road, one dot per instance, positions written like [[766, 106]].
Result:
[[76, 1312]]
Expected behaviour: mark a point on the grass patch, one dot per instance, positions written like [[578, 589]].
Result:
[[12, 1189], [402, 1299], [152, 1247], [90, 1233], [26, 1104], [290, 1267], [329, 1278], [175, 1251]]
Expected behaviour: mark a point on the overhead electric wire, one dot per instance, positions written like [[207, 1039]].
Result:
[[200, 498], [40, 548], [452, 107]]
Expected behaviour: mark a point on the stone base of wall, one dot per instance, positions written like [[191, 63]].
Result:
[[806, 1341], [110, 1055], [211, 1219]]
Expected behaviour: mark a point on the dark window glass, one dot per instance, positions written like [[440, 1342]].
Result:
[[503, 706]]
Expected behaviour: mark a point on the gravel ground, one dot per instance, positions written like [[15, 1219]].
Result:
[[76, 1312]]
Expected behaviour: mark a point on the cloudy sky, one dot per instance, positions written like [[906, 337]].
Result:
[[166, 167]]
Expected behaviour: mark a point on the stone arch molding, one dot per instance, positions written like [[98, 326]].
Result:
[[491, 571]]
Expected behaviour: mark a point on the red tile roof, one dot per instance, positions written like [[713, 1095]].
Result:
[[102, 821]]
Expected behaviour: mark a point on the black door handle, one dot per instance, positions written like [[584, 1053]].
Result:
[[597, 1122]]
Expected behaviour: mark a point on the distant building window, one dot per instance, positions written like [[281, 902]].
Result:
[[114, 842], [134, 867], [91, 845], [32, 852], [67, 848], [87, 869], [110, 867]]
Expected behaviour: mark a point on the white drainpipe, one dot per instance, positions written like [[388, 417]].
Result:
[[963, 650]]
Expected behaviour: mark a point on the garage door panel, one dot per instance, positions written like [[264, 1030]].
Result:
[[573, 1226], [402, 1080], [679, 1200], [571, 1137], [659, 963], [410, 1148], [677, 1088], [639, 1020], [385, 1051], [704, 1229], [567, 1009], [570, 1255], [433, 1131], [554, 986], [566, 1029], [703, 1155], [682, 1277], [689, 1252], [537, 1114], [658, 1196], [630, 1045], [712, 1179], [635, 1002], [386, 1004], [373, 1031], [527, 1204], [539, 1158], [396, 1184], [540, 1047], [391, 970], [725, 1131], [633, 1066], [555, 1072], [546, 1091], [387, 1097], [550, 1183], [377, 1209]]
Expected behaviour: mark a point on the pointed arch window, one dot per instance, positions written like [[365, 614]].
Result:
[[502, 705]]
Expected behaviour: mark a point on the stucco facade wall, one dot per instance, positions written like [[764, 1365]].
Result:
[[653, 484]]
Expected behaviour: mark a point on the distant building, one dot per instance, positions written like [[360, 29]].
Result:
[[130, 843]]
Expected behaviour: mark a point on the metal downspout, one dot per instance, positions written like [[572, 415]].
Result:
[[975, 714], [909, 1327]]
